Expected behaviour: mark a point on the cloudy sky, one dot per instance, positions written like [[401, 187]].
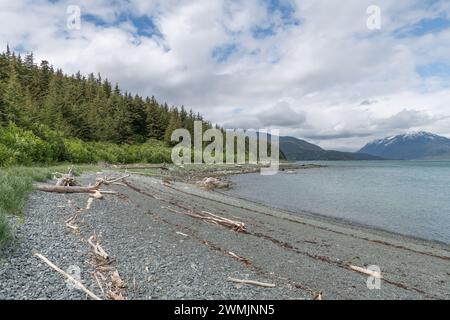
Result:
[[311, 68]]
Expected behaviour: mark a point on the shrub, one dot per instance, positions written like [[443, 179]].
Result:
[[41, 145], [7, 156], [27, 147], [150, 152], [55, 140], [102, 153], [155, 153], [77, 151]]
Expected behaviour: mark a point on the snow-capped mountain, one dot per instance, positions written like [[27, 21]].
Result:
[[414, 145]]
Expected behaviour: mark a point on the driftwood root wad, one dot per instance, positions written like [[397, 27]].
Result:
[[66, 180], [213, 183]]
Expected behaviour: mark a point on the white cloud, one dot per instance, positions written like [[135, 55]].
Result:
[[281, 115], [322, 66]]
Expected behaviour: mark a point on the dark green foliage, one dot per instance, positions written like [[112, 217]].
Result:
[[44, 146], [174, 123], [23, 147], [47, 116]]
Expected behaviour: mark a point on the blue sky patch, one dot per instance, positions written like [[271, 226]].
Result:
[[93, 19], [144, 25], [222, 53], [283, 9], [263, 32], [434, 70], [423, 27]]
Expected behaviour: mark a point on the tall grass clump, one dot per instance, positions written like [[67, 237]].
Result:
[[15, 186], [13, 191], [5, 230]]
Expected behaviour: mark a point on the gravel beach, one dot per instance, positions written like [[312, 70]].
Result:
[[162, 253]]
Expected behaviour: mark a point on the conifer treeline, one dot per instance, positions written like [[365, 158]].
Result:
[[88, 108]]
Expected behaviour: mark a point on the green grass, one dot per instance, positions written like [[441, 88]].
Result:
[[5, 230], [16, 184]]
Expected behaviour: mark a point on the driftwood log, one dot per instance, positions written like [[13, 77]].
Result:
[[141, 166], [64, 189], [95, 189]]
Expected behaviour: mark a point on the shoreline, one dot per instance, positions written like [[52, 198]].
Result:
[[339, 220], [344, 222], [161, 252], [331, 221]]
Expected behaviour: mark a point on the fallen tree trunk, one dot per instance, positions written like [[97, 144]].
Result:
[[141, 166], [63, 189], [76, 189]]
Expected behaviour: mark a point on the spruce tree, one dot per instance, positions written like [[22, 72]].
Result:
[[75, 106], [14, 98], [123, 120], [155, 122], [52, 107], [174, 123]]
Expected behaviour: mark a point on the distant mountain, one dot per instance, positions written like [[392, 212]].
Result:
[[300, 150], [411, 146]]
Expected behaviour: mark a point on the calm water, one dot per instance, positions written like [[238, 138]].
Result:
[[408, 197]]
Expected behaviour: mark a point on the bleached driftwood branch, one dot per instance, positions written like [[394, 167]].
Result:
[[98, 250], [68, 276], [252, 282], [368, 272], [237, 226]]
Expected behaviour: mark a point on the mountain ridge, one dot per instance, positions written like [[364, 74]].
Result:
[[420, 145], [295, 149]]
